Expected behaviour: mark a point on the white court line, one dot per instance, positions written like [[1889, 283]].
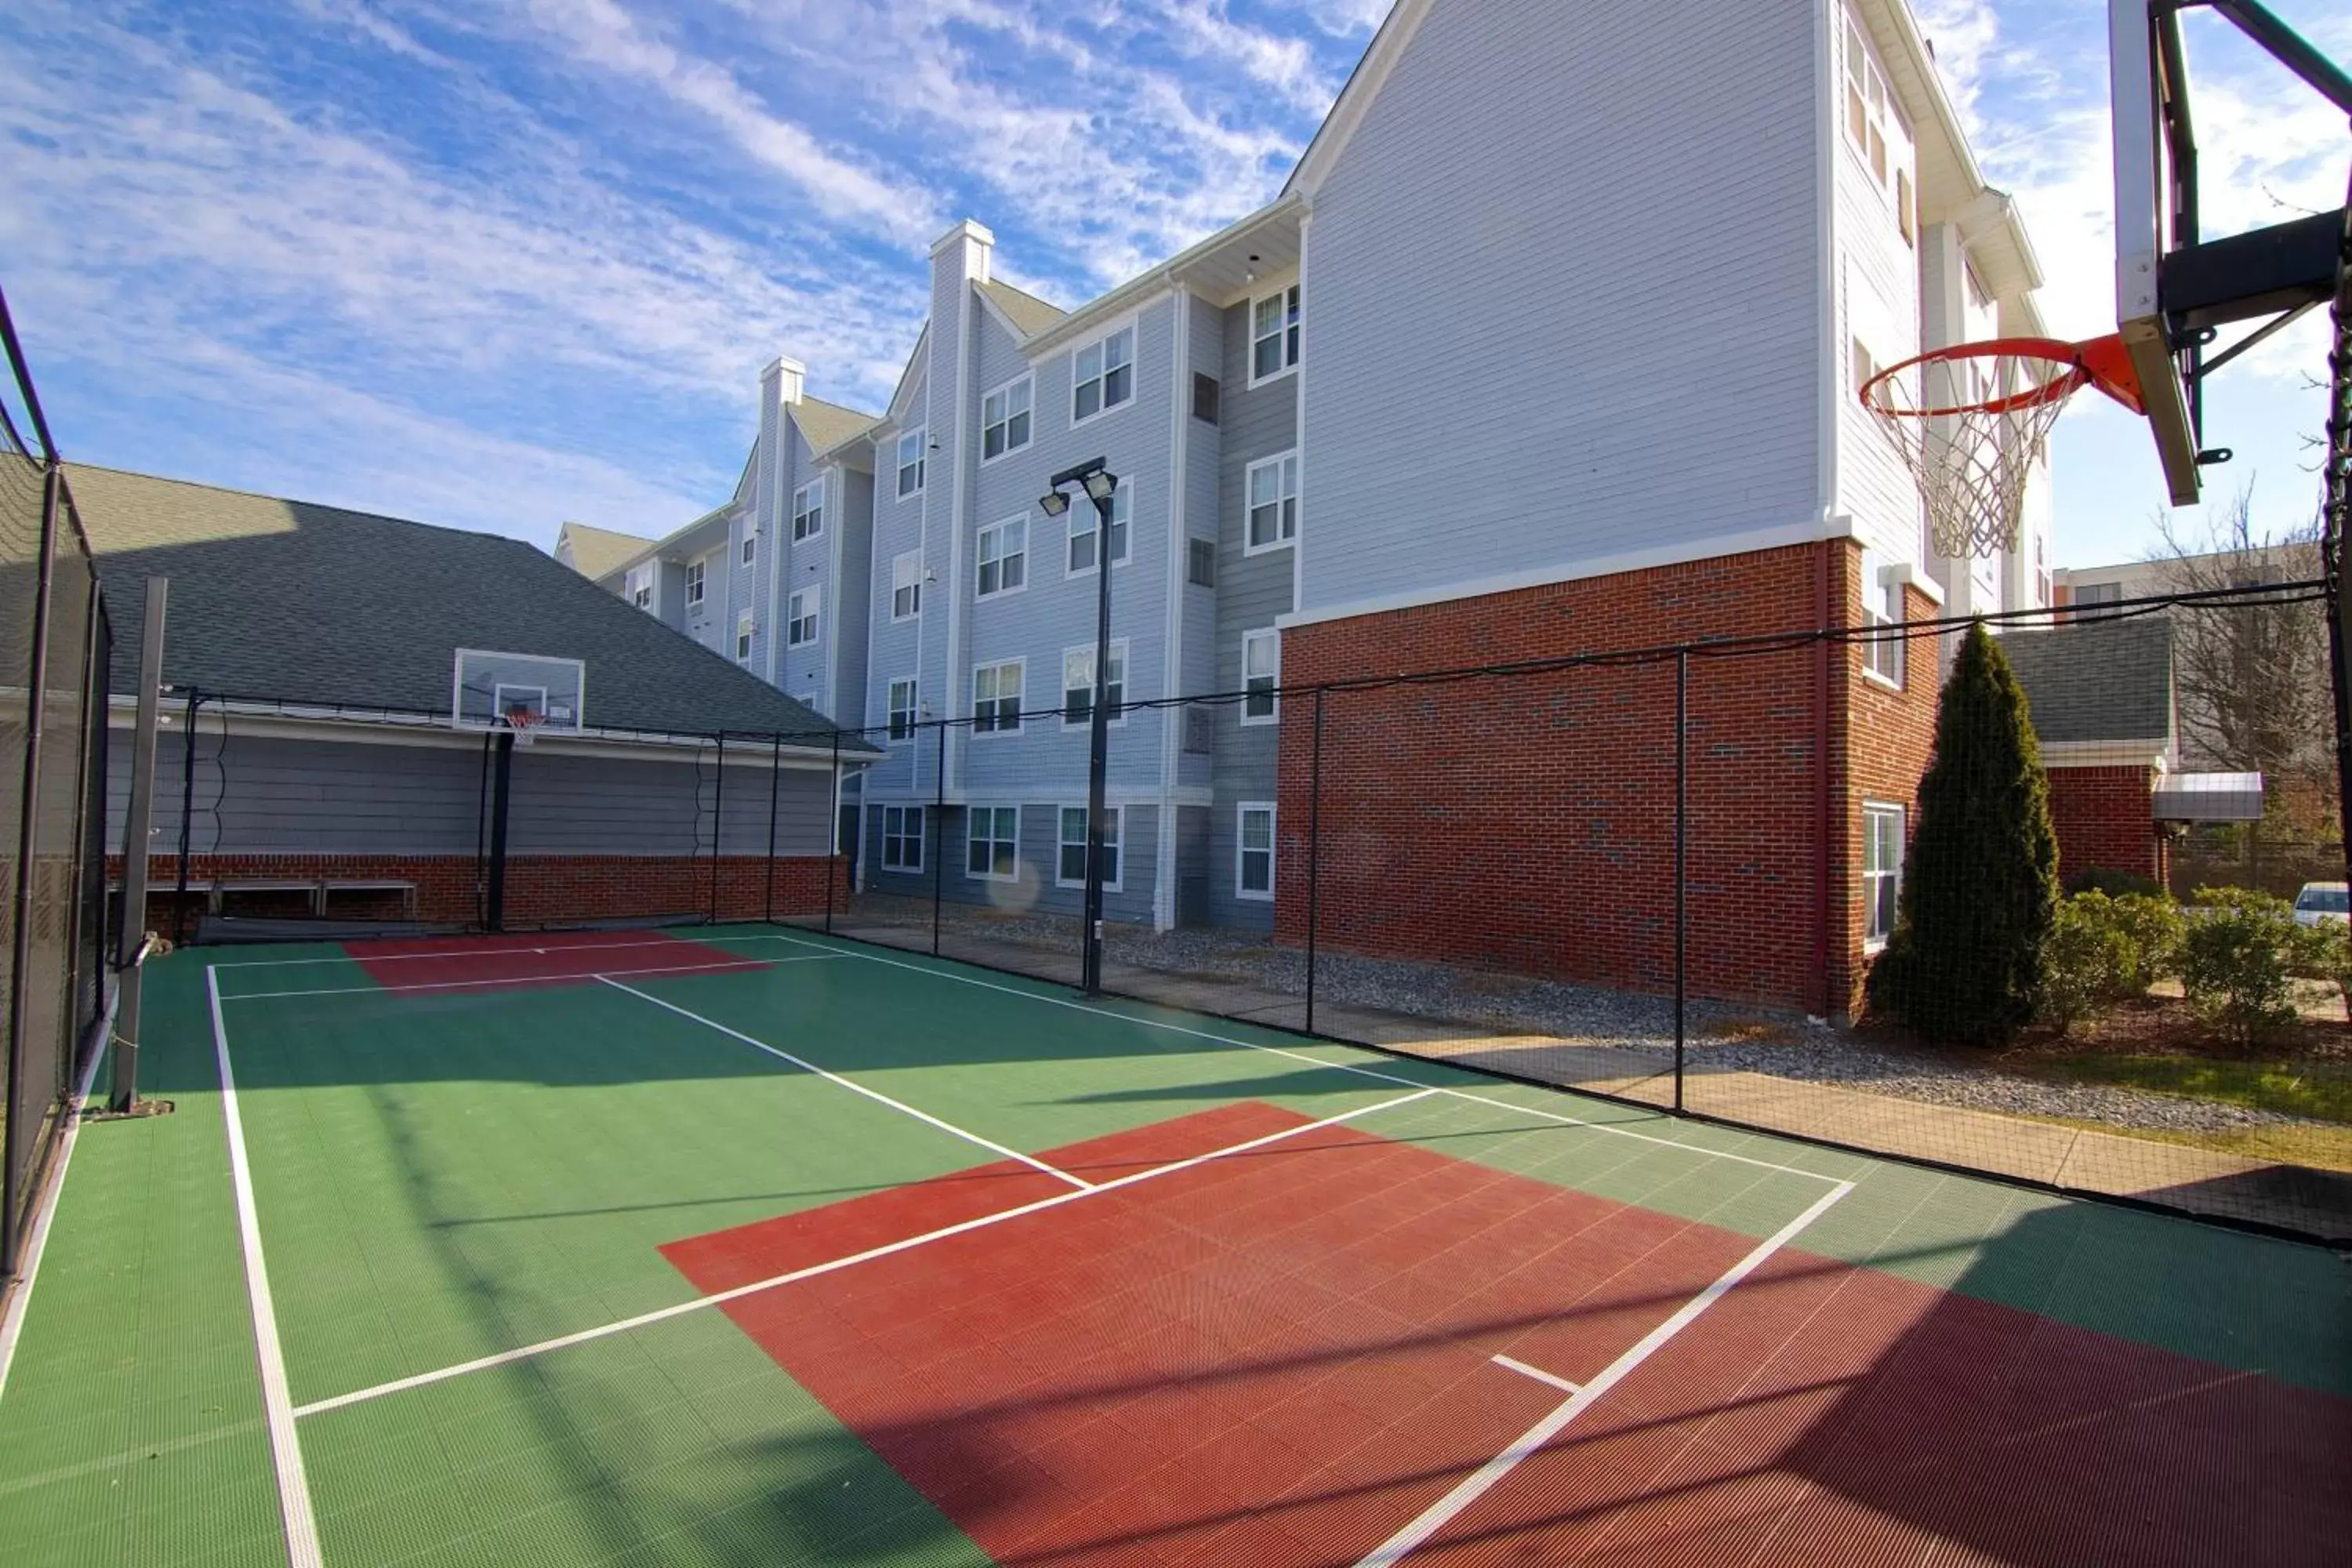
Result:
[[854, 1087], [1303, 1056], [1524, 1370], [1476, 1485], [663, 1314], [276, 1400], [521, 979], [12, 1322], [459, 952]]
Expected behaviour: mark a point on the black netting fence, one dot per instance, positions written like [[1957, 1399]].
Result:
[[54, 646]]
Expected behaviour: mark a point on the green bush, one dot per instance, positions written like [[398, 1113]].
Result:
[[2115, 884], [2153, 926], [2234, 958], [1980, 884], [2086, 961]]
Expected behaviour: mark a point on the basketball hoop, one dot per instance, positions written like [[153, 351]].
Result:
[[1971, 420], [522, 721]]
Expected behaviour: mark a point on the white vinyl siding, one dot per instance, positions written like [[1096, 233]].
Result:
[[1273, 335], [996, 698], [1273, 498], [907, 585], [1086, 522], [993, 850], [1070, 870], [1004, 558], [1078, 685], [904, 711], [808, 511], [1882, 871], [1254, 851], [1261, 676], [801, 613], [1102, 376], [1005, 419], [911, 463], [902, 837]]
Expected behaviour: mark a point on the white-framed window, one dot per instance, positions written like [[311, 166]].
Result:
[[1004, 420], [1004, 557], [907, 585], [1273, 502], [1102, 376], [1273, 335], [1261, 676], [696, 571], [1865, 366], [992, 847], [1078, 685], [911, 463], [1070, 867], [902, 838], [1873, 122], [904, 712], [2086, 596], [751, 545], [639, 587], [743, 636], [1882, 606], [1086, 522], [996, 698], [1882, 871], [1254, 851], [2040, 570], [802, 613], [808, 511]]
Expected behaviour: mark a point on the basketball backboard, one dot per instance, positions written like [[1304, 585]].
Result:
[[2174, 287], [488, 686]]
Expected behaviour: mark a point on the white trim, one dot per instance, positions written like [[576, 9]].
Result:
[[1273, 850], [920, 436], [1004, 391], [1813, 530], [1298, 415], [1132, 325], [793, 530], [914, 684], [1907, 575], [969, 840], [1125, 704], [1276, 461], [1117, 813], [883, 835], [1902, 813], [1259, 634], [1282, 292], [901, 559], [979, 561], [1180, 359], [1020, 700], [1347, 115], [815, 613], [697, 577], [276, 1400]]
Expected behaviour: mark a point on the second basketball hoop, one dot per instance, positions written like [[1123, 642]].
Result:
[[1971, 420]]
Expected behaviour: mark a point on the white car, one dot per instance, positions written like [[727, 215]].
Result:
[[2320, 903]]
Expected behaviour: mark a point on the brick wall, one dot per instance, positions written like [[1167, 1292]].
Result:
[[540, 890], [1527, 822], [2106, 819]]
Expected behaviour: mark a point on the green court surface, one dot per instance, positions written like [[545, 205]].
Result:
[[762, 1249]]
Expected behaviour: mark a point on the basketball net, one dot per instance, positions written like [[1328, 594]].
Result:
[[1972, 420], [522, 721]]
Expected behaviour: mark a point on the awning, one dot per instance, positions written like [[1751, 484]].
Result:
[[2209, 797]]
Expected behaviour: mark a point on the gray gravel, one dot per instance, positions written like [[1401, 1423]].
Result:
[[1620, 1021]]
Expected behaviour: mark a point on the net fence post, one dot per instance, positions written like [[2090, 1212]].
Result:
[[833, 833], [14, 1147], [1314, 850], [2336, 525], [1681, 860], [940, 818], [187, 813], [717, 823], [775, 780]]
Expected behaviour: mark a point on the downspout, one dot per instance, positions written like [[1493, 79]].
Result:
[[1823, 826], [1171, 718], [772, 516]]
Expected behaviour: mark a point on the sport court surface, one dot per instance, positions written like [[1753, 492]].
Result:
[[761, 1248]]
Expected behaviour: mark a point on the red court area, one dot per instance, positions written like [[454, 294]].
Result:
[[1287, 1355], [551, 958]]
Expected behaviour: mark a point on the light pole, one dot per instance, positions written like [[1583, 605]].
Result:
[[1100, 485]]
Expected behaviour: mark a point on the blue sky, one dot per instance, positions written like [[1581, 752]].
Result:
[[505, 262]]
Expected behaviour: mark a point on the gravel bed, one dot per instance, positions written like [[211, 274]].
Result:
[[1792, 1048]]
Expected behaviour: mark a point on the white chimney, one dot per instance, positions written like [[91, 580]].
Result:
[[965, 248], [789, 376]]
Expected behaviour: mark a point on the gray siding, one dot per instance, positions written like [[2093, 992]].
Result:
[[1519, 354], [1037, 889], [848, 615]]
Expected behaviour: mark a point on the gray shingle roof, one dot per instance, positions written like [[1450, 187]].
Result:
[[2097, 680], [311, 603]]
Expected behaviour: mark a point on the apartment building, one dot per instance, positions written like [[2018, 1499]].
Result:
[[1551, 345]]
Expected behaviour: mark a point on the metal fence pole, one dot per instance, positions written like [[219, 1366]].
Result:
[[138, 826], [187, 813], [13, 1148], [775, 782], [833, 833], [501, 794], [1314, 852], [940, 860], [1682, 858], [717, 823]]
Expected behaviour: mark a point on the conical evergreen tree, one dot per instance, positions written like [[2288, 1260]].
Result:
[[1981, 884]]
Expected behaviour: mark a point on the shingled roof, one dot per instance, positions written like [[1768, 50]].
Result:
[[1027, 312], [596, 551], [313, 605], [2097, 679]]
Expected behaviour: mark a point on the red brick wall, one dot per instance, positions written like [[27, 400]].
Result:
[[1892, 738], [1527, 822], [2106, 819], [540, 891]]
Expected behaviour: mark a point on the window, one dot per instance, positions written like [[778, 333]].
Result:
[[911, 463], [1206, 396], [800, 614], [1085, 521], [1102, 376], [1004, 557], [1004, 420], [1261, 676], [996, 699], [1882, 606], [994, 850], [1273, 503], [2041, 570], [1071, 873], [907, 585], [1882, 871], [743, 637], [903, 713], [1078, 685], [1907, 211], [902, 838], [1273, 335], [1254, 852], [1875, 124], [2092, 594], [694, 573], [808, 511], [1200, 563], [1865, 366], [751, 545], [639, 587]]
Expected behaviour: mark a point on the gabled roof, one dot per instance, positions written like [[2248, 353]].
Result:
[[313, 605], [828, 424], [1029, 314], [597, 551], [2097, 680]]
